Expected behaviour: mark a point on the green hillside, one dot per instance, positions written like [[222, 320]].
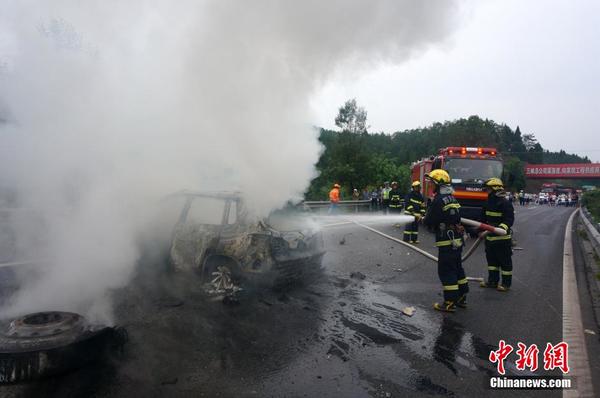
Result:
[[357, 159]]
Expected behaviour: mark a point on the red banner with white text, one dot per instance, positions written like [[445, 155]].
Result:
[[565, 170]]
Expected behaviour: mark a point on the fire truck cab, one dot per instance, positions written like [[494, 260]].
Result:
[[468, 168]]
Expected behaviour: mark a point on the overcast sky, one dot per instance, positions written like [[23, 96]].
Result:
[[535, 64]]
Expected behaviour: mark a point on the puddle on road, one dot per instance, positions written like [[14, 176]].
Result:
[[365, 333]]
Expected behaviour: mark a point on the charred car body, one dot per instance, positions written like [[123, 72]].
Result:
[[214, 237]]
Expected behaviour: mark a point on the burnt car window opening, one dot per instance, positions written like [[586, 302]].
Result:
[[206, 211], [473, 169]]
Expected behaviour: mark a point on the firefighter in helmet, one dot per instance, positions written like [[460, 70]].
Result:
[[499, 212], [415, 206], [443, 215], [395, 195]]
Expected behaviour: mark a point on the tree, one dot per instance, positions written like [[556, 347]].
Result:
[[382, 168], [529, 141], [536, 154], [514, 174], [357, 159], [352, 118]]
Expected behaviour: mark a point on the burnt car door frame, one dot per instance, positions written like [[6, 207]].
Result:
[[228, 198]]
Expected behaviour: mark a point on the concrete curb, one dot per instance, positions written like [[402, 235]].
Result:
[[572, 325]]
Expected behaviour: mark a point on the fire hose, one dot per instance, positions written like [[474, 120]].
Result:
[[483, 227], [486, 228], [423, 252]]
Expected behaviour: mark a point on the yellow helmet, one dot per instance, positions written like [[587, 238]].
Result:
[[416, 184], [439, 176], [494, 183]]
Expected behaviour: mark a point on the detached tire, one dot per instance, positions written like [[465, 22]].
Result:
[[49, 343]]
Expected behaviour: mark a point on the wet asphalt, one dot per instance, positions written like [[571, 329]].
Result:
[[338, 336]]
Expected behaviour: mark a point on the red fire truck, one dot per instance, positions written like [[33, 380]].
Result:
[[468, 168]]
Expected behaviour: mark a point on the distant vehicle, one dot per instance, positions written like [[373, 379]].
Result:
[[214, 238], [469, 168], [557, 189], [549, 188]]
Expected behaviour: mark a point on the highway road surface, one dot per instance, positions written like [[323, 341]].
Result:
[[342, 335]]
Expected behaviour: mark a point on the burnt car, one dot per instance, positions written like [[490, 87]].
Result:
[[215, 238]]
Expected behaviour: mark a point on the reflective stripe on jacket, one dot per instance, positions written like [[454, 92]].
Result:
[[395, 199], [385, 193], [498, 212], [415, 205], [444, 216]]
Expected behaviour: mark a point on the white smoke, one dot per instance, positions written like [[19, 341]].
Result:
[[110, 105]]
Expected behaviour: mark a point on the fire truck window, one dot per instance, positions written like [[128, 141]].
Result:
[[473, 170]]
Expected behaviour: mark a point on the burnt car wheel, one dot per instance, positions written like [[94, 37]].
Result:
[[221, 273], [49, 343]]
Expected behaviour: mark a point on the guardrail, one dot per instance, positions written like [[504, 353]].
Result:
[[592, 227], [355, 206]]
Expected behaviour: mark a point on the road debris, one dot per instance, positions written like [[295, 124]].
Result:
[[409, 311], [343, 240], [358, 275]]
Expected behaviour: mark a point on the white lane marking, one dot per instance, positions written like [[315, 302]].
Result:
[[572, 327]]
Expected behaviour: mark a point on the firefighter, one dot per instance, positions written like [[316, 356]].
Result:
[[499, 212], [395, 195], [385, 197], [415, 206], [443, 215], [334, 199]]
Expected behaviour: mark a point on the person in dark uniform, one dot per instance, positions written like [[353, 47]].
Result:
[[443, 216], [414, 206], [498, 212], [395, 202]]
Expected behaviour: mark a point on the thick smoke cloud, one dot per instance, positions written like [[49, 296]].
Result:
[[109, 105]]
